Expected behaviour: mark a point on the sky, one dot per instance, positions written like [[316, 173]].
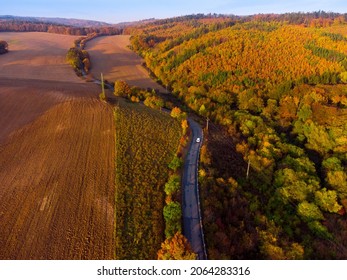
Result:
[[115, 11]]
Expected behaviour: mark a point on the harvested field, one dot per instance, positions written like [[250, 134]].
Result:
[[111, 56], [36, 55], [21, 101], [57, 144], [57, 185]]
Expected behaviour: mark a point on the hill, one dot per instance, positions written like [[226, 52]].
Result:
[[111, 56], [60, 26], [36, 55], [59, 21], [266, 82]]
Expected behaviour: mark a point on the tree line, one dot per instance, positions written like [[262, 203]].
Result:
[[27, 26]]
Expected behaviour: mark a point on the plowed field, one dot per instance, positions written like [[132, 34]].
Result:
[[56, 156], [23, 100], [112, 56], [36, 55], [57, 194]]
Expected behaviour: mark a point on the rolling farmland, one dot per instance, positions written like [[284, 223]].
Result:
[[56, 156], [56, 194], [111, 56], [36, 55]]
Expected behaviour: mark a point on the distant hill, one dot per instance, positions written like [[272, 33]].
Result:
[[60, 21], [57, 25], [134, 23]]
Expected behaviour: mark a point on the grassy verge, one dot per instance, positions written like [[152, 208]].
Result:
[[146, 141]]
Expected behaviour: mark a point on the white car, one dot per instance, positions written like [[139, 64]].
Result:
[[198, 140]]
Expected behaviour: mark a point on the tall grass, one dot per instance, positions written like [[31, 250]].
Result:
[[146, 141]]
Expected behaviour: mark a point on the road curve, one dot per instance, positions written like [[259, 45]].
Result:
[[192, 223]]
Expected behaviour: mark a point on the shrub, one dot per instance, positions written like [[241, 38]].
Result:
[[176, 163], [173, 185], [172, 215], [3, 47], [121, 88]]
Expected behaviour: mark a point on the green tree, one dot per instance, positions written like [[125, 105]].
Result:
[[175, 163], [305, 112], [172, 214], [343, 77], [154, 102], [318, 137], [309, 212], [327, 200], [294, 186], [173, 184], [338, 181], [332, 164], [74, 58], [320, 230]]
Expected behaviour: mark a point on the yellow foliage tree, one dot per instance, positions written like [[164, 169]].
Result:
[[176, 248]]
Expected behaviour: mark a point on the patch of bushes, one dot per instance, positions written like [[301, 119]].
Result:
[[3, 47]]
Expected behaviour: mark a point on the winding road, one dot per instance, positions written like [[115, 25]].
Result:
[[192, 223]]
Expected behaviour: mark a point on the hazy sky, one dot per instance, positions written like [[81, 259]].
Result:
[[114, 11]]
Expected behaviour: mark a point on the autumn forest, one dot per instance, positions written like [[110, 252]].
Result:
[[274, 89], [269, 91]]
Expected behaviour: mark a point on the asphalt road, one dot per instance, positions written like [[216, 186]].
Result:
[[192, 223], [192, 227]]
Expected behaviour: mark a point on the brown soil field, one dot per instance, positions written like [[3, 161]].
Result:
[[57, 185], [111, 56], [21, 100], [36, 55], [57, 153]]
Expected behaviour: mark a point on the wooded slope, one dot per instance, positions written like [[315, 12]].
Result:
[[276, 94]]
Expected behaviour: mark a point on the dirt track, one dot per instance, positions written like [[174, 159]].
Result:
[[112, 56], [56, 159]]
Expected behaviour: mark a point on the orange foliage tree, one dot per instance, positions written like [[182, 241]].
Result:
[[176, 248]]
